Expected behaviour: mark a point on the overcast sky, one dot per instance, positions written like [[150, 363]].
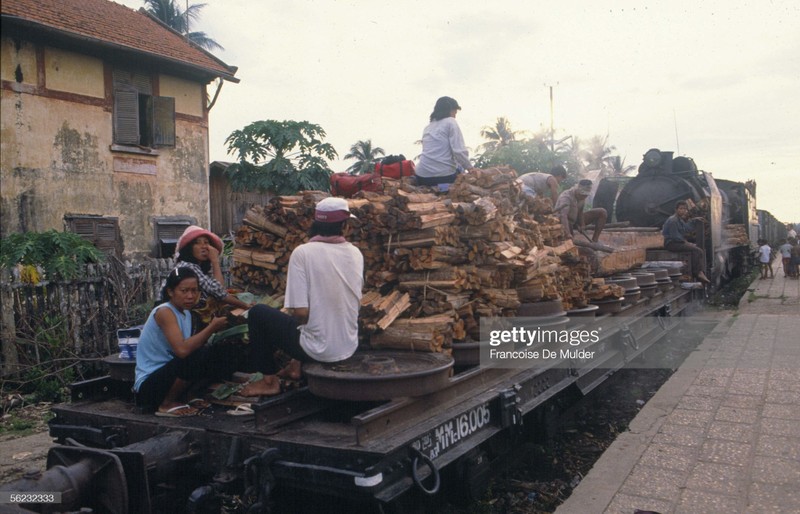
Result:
[[718, 81]]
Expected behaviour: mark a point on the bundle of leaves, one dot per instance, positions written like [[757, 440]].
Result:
[[59, 254]]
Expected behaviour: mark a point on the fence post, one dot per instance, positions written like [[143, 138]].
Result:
[[8, 327]]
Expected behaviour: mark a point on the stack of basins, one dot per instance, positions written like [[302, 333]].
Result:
[[663, 280], [647, 283], [550, 313], [628, 282]]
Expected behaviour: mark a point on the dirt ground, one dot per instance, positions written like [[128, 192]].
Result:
[[24, 440]]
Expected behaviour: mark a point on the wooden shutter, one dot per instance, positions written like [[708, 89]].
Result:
[[126, 116], [102, 232], [163, 116]]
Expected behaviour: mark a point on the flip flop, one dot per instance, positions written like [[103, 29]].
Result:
[[243, 409], [199, 403], [181, 411]]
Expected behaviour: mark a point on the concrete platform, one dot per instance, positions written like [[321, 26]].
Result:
[[723, 434]]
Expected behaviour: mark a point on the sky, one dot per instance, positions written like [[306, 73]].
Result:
[[718, 81]]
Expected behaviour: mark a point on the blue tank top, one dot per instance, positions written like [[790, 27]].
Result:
[[153, 350]]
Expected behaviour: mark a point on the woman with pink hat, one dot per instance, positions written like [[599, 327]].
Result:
[[199, 249]]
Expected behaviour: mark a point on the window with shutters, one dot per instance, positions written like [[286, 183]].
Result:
[[140, 118], [167, 235], [102, 231]]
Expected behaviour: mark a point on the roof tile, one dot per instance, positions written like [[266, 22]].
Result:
[[112, 23]]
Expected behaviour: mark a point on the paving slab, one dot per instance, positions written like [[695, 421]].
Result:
[[722, 434]]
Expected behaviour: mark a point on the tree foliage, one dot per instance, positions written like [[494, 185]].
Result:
[[365, 155], [169, 12], [524, 155], [282, 157], [499, 135], [60, 254]]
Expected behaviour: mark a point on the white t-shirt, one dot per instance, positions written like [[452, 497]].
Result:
[[764, 253], [327, 279], [443, 149]]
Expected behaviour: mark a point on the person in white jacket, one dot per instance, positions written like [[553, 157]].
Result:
[[444, 154]]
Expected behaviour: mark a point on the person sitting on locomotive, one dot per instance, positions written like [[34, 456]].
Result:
[[570, 209], [444, 154], [544, 185], [675, 231], [765, 258], [319, 321], [198, 250], [169, 358]]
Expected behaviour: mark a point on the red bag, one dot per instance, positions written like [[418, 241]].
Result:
[[396, 169], [346, 185]]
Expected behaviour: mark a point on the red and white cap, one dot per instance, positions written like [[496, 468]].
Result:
[[332, 210]]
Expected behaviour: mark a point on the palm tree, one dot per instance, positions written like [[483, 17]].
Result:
[[616, 165], [498, 136], [170, 13], [365, 155], [597, 154]]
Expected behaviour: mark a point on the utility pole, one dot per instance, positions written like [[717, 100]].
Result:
[[552, 125]]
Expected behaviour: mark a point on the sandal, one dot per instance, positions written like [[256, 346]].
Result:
[[199, 403], [181, 411], [243, 409]]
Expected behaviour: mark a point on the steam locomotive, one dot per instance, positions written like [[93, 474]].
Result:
[[726, 223]]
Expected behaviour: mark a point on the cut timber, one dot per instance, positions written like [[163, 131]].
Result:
[[256, 219], [266, 260]]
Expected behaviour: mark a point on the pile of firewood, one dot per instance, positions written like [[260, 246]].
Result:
[[434, 263]]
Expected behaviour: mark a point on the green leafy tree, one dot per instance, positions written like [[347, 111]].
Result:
[[525, 155], [59, 254], [170, 13], [365, 155], [282, 157], [498, 136], [597, 154]]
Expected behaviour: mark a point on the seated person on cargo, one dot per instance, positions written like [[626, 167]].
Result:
[[199, 250], [170, 358], [444, 154], [544, 185], [675, 231], [569, 208], [319, 321]]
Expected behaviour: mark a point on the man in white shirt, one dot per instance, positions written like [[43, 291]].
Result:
[[319, 321]]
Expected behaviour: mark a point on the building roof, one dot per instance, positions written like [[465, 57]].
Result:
[[115, 27]]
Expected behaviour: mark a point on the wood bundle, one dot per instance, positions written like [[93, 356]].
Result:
[[449, 279], [735, 235], [378, 312], [600, 290], [430, 334]]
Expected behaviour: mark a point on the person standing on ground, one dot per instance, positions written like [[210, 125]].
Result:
[[544, 185], [569, 207], [319, 321], [765, 258], [675, 231], [786, 257], [444, 154], [794, 264]]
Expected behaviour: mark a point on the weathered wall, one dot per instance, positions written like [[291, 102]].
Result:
[[56, 157]]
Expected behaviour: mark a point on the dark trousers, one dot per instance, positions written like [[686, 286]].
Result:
[[270, 330], [698, 255], [435, 181], [216, 362]]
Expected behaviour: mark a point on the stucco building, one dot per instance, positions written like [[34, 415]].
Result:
[[104, 123]]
